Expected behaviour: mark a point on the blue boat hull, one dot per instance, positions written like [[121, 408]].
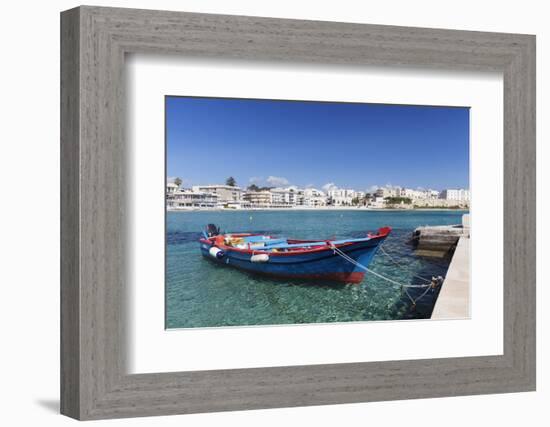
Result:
[[321, 264]]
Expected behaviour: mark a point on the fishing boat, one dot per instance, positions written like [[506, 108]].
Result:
[[332, 260]]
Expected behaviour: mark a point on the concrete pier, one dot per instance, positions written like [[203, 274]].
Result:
[[436, 241], [453, 301]]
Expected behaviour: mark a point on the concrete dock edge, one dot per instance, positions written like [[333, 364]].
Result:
[[453, 301]]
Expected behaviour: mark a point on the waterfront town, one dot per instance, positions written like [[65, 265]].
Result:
[[231, 196]]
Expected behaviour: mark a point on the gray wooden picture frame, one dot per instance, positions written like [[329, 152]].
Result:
[[94, 381]]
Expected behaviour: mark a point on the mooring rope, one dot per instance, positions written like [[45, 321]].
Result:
[[403, 266], [401, 285]]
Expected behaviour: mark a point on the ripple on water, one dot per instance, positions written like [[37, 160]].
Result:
[[202, 294]]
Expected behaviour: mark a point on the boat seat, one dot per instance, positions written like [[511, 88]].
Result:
[[307, 244], [255, 239], [263, 240], [296, 245]]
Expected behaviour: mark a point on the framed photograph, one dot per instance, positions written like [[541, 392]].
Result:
[[291, 156], [262, 213]]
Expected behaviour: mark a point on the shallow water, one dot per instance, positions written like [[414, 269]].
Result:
[[200, 293]]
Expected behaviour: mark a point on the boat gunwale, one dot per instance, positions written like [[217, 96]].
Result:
[[382, 233]]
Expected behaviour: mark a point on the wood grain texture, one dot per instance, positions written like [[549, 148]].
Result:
[[94, 381], [70, 291]]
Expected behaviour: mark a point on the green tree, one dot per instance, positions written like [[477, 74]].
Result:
[[253, 187], [178, 181], [231, 182], [398, 200]]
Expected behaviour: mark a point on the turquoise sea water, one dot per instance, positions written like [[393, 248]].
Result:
[[200, 293]]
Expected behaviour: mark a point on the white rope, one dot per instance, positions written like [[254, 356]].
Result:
[[356, 263], [401, 285], [422, 295], [403, 267]]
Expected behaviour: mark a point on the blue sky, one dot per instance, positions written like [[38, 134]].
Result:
[[299, 143]]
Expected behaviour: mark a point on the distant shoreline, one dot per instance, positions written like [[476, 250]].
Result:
[[302, 209]]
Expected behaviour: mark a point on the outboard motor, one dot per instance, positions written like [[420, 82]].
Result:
[[212, 230]]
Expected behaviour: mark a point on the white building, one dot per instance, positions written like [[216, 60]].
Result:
[[377, 202], [298, 196], [294, 195], [345, 197], [412, 194], [388, 192], [258, 199], [341, 196], [432, 194], [282, 197], [187, 199], [459, 195], [225, 193], [418, 194], [171, 188], [314, 198]]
